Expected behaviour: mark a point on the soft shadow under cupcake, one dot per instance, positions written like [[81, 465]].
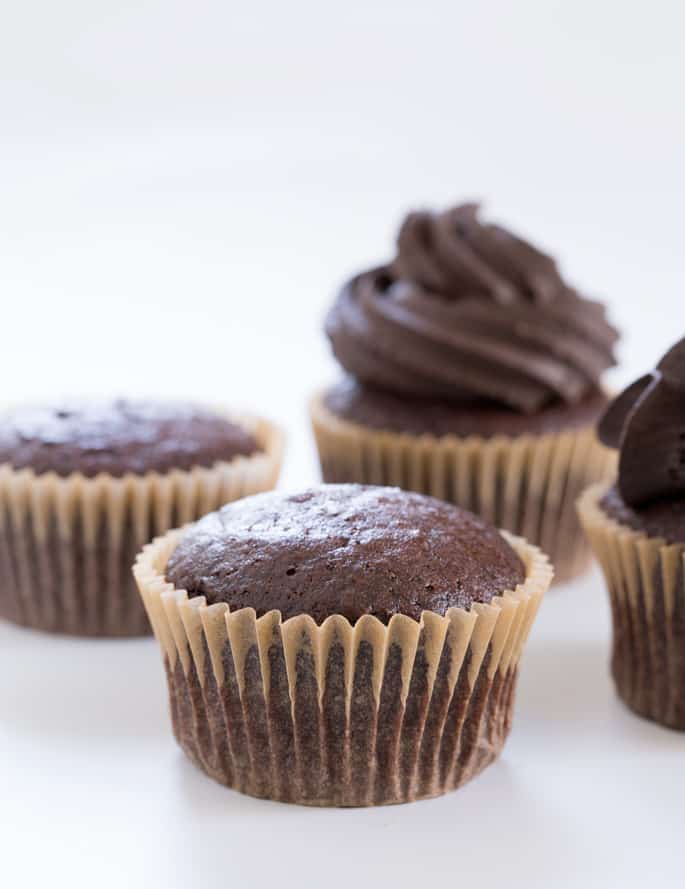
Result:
[[442, 828]]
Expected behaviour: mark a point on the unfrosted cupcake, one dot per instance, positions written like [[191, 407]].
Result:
[[84, 486], [637, 529], [347, 645], [474, 374]]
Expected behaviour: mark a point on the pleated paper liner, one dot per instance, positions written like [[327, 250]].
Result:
[[67, 543], [340, 715], [525, 484], [646, 581]]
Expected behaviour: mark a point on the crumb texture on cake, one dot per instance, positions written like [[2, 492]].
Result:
[[344, 549]]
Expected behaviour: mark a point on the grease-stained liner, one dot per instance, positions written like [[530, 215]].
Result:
[[526, 484], [340, 715], [646, 581], [67, 543]]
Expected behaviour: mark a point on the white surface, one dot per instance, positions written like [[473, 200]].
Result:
[[96, 793], [182, 187]]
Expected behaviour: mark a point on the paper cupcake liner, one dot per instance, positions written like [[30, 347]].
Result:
[[67, 544], [525, 484], [646, 581], [340, 715]]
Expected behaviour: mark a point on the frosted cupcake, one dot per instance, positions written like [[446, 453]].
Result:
[[474, 374], [636, 526]]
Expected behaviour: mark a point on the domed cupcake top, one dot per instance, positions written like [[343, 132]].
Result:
[[118, 437], [647, 423], [469, 312], [344, 549]]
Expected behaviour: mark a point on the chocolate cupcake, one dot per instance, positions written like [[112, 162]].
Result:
[[344, 646], [637, 529], [475, 376], [84, 486]]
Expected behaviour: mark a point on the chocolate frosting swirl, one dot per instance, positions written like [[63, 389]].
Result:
[[469, 312], [647, 423]]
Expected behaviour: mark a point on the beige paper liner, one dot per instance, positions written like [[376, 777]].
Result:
[[67, 543], [646, 581], [337, 714], [525, 484]]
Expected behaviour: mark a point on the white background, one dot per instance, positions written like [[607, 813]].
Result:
[[182, 188]]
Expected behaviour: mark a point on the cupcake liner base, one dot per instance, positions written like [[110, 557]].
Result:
[[646, 582], [336, 714]]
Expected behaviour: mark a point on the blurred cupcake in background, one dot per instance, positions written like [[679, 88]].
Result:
[[636, 526], [474, 374], [84, 486]]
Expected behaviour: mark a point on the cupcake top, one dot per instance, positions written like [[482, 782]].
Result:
[[646, 422], [344, 549], [118, 437], [469, 312]]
